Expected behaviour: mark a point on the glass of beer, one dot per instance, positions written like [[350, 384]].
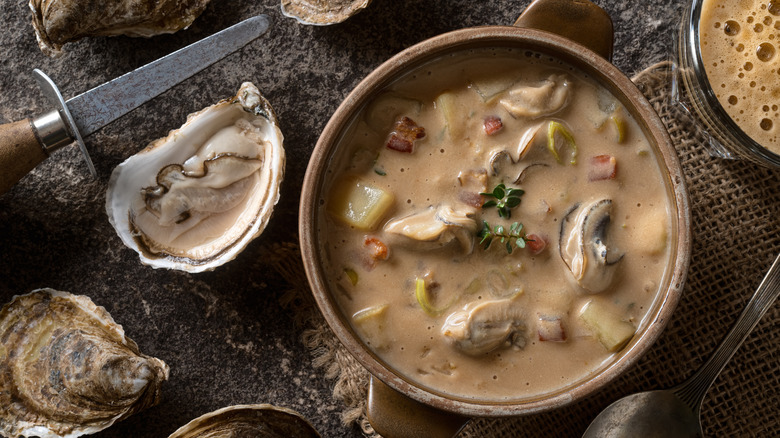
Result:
[[729, 65]]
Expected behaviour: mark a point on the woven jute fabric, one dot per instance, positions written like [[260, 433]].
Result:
[[735, 211]]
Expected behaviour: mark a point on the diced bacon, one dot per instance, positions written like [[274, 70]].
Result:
[[405, 132], [399, 144], [492, 125], [550, 328], [602, 167], [377, 251], [409, 128], [472, 183], [471, 199], [535, 243]]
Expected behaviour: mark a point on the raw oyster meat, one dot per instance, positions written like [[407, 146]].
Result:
[[322, 12], [57, 22], [194, 199], [67, 369], [255, 421]]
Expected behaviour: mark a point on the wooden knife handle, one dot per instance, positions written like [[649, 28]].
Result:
[[20, 152]]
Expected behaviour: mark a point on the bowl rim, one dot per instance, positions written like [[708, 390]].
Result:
[[603, 72]]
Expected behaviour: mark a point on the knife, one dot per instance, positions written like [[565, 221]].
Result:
[[26, 143]]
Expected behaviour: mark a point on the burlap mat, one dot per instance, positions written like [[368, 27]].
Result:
[[736, 223]]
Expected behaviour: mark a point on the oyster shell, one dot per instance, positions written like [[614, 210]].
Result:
[[67, 369], [322, 12], [256, 421], [57, 22], [194, 199]]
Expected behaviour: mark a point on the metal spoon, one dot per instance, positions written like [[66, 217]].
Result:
[[675, 412]]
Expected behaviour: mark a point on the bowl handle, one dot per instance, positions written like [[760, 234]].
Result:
[[578, 20], [394, 415]]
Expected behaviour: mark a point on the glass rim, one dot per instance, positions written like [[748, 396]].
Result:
[[735, 135]]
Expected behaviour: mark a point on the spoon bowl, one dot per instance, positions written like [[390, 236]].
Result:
[[643, 413], [675, 412]]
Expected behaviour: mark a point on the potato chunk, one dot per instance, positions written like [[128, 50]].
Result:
[[358, 203], [371, 322], [447, 103], [651, 232], [611, 330]]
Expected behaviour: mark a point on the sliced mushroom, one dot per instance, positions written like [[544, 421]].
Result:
[[483, 326], [583, 245], [434, 228], [548, 97]]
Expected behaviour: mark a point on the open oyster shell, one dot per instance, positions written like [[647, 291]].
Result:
[[57, 22], [194, 199], [67, 369], [256, 421], [322, 12]]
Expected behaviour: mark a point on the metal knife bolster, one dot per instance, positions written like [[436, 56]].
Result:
[[51, 131], [57, 128]]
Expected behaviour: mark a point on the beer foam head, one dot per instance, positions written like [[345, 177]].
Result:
[[740, 44]]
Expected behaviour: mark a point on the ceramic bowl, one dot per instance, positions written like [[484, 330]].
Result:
[[396, 405]]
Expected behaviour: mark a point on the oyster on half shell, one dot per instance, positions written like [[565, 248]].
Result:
[[57, 22], [255, 421], [194, 199], [322, 12], [67, 369]]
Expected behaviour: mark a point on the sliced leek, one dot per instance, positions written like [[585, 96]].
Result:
[[424, 298], [556, 130]]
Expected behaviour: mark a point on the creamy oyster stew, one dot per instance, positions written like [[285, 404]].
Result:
[[495, 225]]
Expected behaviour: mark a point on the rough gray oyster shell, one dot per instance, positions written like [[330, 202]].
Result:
[[67, 369], [250, 421], [322, 12], [57, 22]]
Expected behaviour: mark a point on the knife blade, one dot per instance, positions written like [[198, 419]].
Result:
[[26, 143]]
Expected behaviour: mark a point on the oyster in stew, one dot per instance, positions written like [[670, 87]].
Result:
[[194, 199], [257, 421], [322, 12], [584, 247], [67, 369], [57, 22]]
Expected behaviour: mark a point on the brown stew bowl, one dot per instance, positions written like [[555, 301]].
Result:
[[396, 405]]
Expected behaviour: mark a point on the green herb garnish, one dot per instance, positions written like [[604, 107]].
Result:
[[507, 237], [505, 199]]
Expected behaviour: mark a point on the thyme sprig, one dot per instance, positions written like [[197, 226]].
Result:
[[504, 199], [511, 238]]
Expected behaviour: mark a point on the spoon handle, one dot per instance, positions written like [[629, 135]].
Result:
[[692, 391]]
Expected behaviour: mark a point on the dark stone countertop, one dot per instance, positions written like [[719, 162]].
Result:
[[223, 333]]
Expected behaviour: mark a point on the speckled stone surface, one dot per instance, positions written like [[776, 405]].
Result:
[[224, 334]]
